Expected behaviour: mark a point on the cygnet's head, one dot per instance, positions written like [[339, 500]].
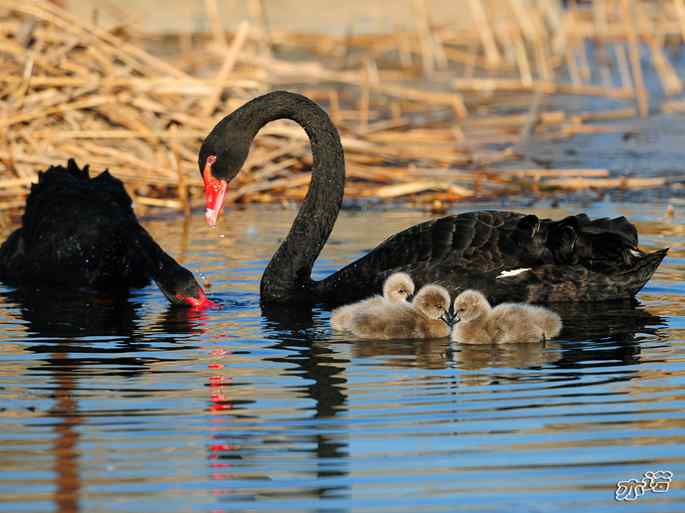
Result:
[[470, 305], [398, 287], [433, 301]]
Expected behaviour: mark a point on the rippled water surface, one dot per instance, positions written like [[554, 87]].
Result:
[[133, 406]]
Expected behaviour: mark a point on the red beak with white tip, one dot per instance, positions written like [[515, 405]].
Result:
[[215, 192]]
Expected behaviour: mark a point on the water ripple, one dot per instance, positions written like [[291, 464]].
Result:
[[134, 406]]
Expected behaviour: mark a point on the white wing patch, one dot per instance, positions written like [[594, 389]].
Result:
[[513, 272], [635, 253]]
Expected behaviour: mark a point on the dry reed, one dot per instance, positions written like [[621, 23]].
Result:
[[74, 90]]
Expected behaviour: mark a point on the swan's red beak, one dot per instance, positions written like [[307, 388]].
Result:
[[201, 302], [215, 192]]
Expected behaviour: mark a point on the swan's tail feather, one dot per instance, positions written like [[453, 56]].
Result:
[[638, 275], [618, 227]]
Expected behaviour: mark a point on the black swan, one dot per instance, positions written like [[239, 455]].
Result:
[[574, 259], [81, 233]]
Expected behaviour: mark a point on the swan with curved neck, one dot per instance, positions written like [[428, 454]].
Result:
[[223, 153], [509, 256]]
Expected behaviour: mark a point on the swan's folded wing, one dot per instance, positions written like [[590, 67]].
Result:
[[473, 244], [605, 245], [620, 227], [447, 238]]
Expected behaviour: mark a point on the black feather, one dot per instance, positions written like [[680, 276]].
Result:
[[81, 232], [574, 259]]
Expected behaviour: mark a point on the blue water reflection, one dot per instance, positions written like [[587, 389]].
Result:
[[130, 405]]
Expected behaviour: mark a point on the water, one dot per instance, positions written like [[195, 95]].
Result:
[[134, 406]]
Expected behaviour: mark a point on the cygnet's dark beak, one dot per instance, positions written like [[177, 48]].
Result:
[[447, 318]]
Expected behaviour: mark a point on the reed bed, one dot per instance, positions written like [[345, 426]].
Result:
[[426, 115]]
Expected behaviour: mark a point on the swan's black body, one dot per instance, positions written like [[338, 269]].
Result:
[[81, 233], [575, 259]]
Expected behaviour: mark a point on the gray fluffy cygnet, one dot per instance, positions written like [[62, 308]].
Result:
[[479, 323], [397, 288], [423, 318]]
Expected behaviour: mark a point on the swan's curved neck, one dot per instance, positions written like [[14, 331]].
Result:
[[288, 275]]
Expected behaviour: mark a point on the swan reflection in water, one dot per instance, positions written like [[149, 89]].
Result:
[[100, 328], [81, 341], [604, 336], [110, 337], [323, 371]]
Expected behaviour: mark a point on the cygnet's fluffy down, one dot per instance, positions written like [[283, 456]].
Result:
[[396, 289], [479, 323], [423, 318], [516, 322], [472, 312]]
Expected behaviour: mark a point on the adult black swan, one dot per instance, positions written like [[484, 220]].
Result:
[[81, 233], [507, 255]]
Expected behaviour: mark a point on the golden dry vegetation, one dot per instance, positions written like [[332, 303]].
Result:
[[420, 111]]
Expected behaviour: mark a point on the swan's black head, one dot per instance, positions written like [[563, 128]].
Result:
[[221, 157], [181, 288]]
